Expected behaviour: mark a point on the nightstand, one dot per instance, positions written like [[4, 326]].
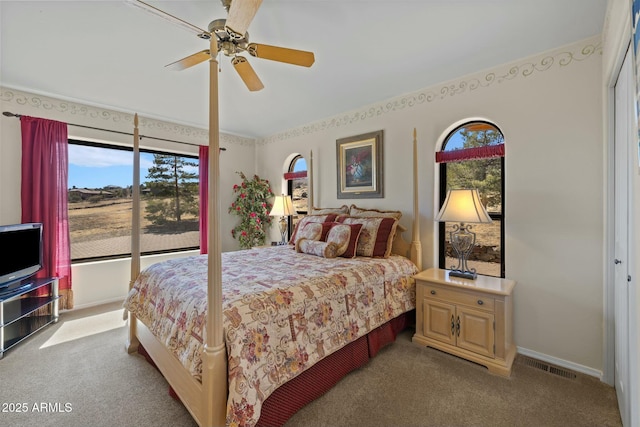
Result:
[[472, 319]]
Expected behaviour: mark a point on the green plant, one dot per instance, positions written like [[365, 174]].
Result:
[[252, 206]]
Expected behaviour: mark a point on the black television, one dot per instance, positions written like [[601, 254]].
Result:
[[22, 253]]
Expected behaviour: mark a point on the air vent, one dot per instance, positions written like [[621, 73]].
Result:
[[543, 366]]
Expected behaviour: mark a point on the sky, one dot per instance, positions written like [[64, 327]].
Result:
[[96, 167]]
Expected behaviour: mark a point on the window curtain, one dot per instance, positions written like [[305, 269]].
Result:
[[44, 196], [485, 152], [294, 175], [203, 168]]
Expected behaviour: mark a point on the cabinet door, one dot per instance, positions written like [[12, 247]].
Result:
[[439, 321], [476, 331]]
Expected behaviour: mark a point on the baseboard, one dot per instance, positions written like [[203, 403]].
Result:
[[95, 304], [561, 363]]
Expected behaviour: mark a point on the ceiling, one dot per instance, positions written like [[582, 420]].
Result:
[[111, 54]]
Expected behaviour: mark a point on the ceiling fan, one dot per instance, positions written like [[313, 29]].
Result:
[[230, 37]]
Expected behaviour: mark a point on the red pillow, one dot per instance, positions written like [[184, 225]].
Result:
[[311, 218], [326, 226], [350, 251], [376, 236]]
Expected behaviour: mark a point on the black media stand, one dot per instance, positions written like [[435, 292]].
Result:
[[25, 308]]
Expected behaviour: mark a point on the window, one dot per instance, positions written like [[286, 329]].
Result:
[[298, 189], [472, 156], [100, 202]]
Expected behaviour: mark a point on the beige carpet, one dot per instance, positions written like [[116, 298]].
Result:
[[77, 373]]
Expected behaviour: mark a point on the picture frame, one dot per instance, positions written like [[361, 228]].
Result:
[[359, 161]]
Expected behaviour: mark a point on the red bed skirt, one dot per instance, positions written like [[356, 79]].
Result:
[[287, 399]]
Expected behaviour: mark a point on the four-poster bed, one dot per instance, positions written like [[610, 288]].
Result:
[[197, 371], [200, 375]]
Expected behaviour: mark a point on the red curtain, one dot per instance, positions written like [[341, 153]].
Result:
[[486, 152], [44, 196], [204, 197], [294, 175]]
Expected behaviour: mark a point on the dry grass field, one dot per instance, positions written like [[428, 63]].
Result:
[[93, 221], [106, 219], [103, 229]]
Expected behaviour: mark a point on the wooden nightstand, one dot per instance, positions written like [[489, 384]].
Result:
[[472, 319]]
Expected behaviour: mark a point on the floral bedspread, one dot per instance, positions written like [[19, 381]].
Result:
[[283, 311]]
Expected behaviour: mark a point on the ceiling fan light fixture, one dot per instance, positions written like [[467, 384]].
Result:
[[232, 38]]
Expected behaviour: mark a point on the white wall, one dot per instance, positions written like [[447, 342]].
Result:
[[99, 282], [549, 109]]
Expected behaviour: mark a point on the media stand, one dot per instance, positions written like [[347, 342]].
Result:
[[25, 308]]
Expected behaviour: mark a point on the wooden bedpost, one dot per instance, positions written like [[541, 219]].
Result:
[[416, 246], [214, 358], [310, 180], [132, 341]]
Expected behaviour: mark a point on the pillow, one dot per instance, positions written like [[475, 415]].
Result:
[[344, 209], [307, 219], [314, 247], [376, 237], [367, 213], [345, 236], [311, 231]]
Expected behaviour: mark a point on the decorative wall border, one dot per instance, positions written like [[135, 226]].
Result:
[[522, 68], [562, 57], [121, 119]]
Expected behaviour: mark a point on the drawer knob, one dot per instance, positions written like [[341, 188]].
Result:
[[433, 292], [480, 302]]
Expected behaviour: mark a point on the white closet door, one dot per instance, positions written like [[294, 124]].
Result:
[[624, 110]]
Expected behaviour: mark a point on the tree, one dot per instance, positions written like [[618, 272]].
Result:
[[174, 186], [483, 174]]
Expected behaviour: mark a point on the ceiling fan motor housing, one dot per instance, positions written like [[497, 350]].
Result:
[[219, 28]]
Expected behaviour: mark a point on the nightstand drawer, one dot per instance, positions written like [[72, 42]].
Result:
[[457, 297]]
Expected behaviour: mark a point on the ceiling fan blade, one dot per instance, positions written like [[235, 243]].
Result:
[[281, 54], [241, 13], [167, 16], [190, 60], [247, 74]]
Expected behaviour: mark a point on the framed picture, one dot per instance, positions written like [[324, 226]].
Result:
[[359, 160]]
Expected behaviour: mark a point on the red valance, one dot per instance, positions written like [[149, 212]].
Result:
[[486, 152], [295, 175]]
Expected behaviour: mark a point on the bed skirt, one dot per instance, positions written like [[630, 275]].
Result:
[[290, 397]]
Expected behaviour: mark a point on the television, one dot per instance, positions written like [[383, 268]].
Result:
[[22, 253]]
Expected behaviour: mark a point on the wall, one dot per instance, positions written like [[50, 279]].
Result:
[[549, 108], [104, 281]]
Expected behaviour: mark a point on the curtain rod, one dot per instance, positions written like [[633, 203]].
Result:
[[9, 114]]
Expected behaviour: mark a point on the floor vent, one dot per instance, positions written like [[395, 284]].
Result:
[[543, 366]]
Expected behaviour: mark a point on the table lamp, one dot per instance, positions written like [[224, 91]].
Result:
[[463, 206], [283, 207]]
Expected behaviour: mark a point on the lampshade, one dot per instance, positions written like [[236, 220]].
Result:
[[463, 205], [282, 206]]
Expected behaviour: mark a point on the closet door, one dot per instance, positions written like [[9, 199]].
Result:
[[624, 134]]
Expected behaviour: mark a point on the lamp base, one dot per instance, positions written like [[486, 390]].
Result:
[[464, 274], [462, 241], [283, 231]]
